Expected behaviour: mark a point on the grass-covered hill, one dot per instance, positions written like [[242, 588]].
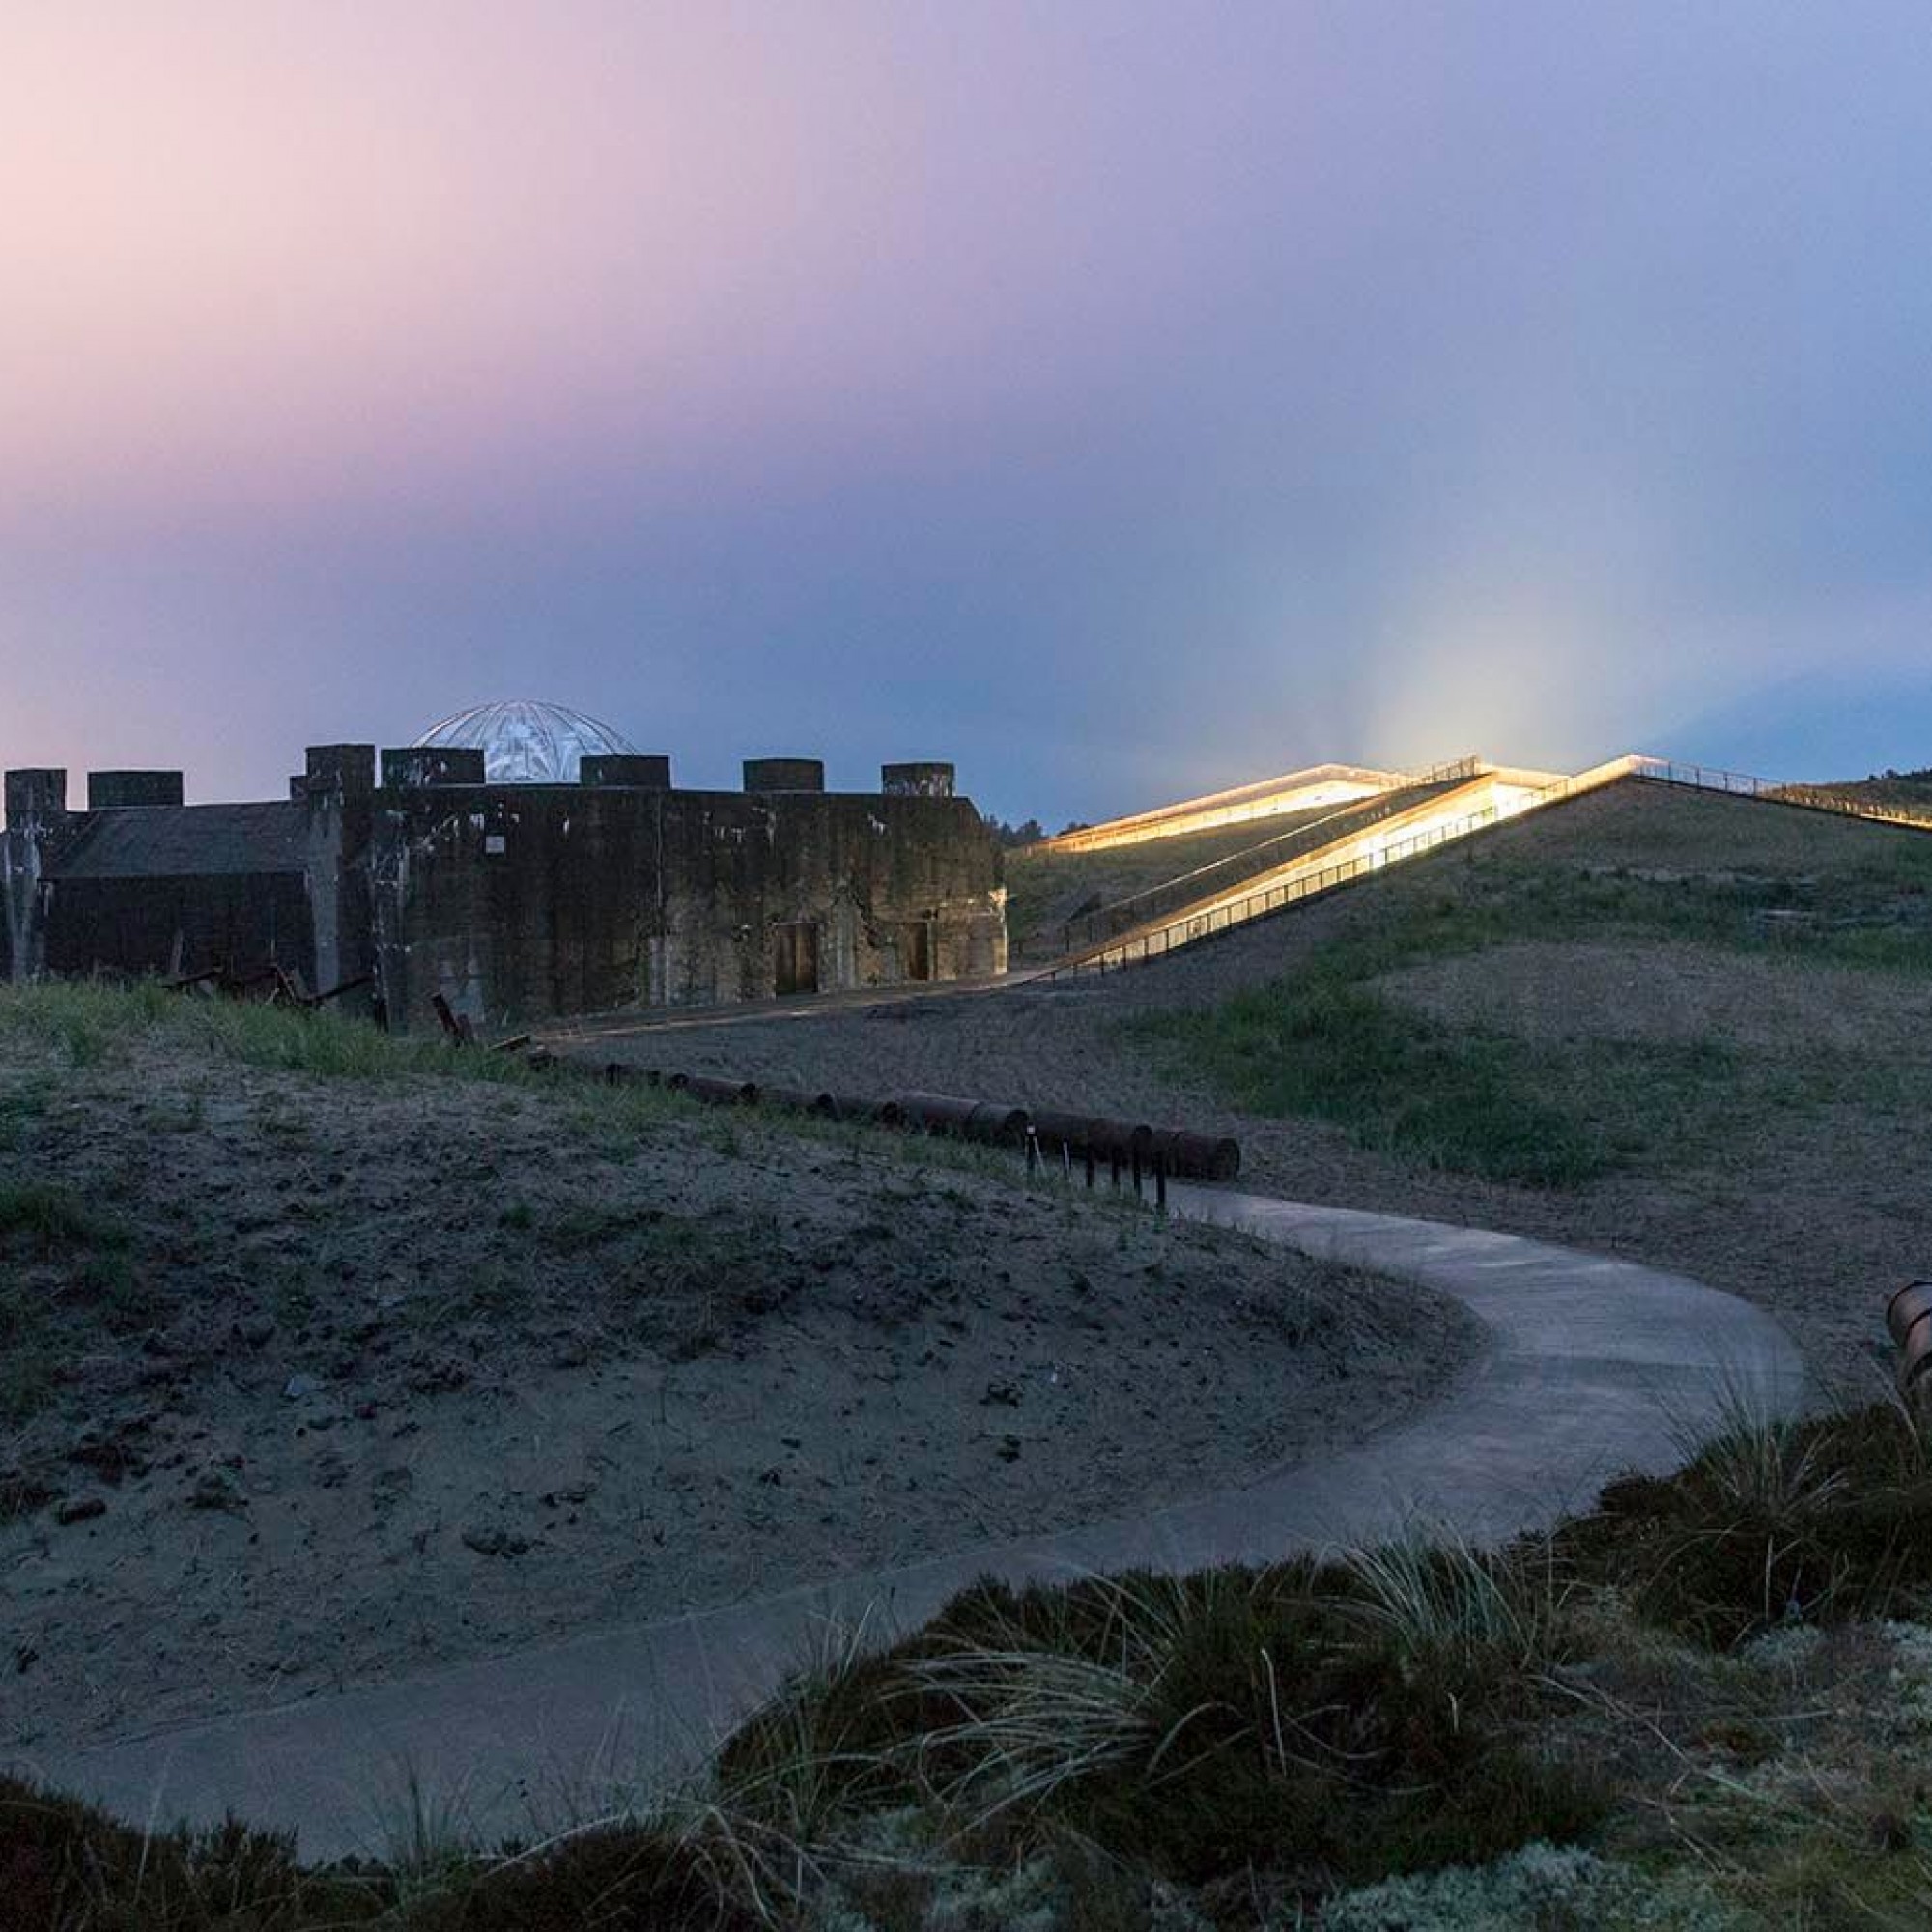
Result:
[[1548, 1003], [1908, 793], [1688, 1027]]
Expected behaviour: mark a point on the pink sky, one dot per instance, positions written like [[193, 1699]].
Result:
[[1499, 372]]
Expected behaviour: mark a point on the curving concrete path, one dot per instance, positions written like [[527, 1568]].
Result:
[[1595, 1366]]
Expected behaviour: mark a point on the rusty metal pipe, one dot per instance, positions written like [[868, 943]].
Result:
[[1080, 1133], [1131, 1146], [1909, 1305], [800, 1101], [862, 1112], [1198, 1156], [1915, 1361], [1908, 1316], [984, 1121]]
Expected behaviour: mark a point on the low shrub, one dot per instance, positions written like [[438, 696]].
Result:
[[65, 1864], [643, 1876], [1820, 1519], [44, 1222], [1224, 1720], [67, 1867]]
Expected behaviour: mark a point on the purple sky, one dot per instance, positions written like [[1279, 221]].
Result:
[[1119, 399]]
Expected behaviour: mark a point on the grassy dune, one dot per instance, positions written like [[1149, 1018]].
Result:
[[1333, 1040]]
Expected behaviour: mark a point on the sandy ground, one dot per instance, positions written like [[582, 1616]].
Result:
[[1676, 993], [403, 1373], [1814, 1214]]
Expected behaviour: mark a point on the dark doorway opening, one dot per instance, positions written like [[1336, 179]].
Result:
[[916, 950], [795, 959]]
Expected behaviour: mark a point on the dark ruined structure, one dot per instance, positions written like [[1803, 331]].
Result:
[[515, 900]]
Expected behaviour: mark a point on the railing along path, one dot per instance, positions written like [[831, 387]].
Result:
[[1138, 949]]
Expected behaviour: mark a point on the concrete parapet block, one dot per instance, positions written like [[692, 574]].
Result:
[[114, 792], [784, 774], [924, 777], [634, 770], [416, 767], [36, 795], [343, 770]]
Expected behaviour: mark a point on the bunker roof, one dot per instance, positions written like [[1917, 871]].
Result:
[[186, 841]]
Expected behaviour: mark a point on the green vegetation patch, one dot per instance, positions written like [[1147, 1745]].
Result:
[[56, 1253], [1834, 891], [1774, 1522], [91, 1023], [22, 1103], [1324, 1041], [1474, 1101], [40, 1222], [70, 1866], [1298, 1719]]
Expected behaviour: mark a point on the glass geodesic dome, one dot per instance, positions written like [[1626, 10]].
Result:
[[523, 741]]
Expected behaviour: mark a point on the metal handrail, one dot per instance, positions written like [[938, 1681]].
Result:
[[1138, 951], [1469, 766], [1108, 922], [1155, 945], [1742, 784]]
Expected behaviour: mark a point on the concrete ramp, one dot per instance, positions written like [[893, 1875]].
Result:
[[1485, 798], [1313, 789]]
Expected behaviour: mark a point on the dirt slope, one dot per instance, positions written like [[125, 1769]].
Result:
[[311, 1381]]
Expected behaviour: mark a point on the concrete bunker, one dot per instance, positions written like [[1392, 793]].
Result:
[[513, 899]]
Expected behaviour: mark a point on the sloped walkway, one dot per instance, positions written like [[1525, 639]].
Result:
[[1595, 1366]]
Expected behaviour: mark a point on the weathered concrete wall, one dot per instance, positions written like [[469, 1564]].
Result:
[[510, 900], [650, 771], [922, 778], [177, 925], [143, 885], [19, 903], [38, 824], [520, 901], [35, 795], [114, 791], [432, 765], [897, 888], [338, 790], [784, 774], [514, 902]]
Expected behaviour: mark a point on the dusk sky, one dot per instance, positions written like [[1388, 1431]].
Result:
[[1119, 399]]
